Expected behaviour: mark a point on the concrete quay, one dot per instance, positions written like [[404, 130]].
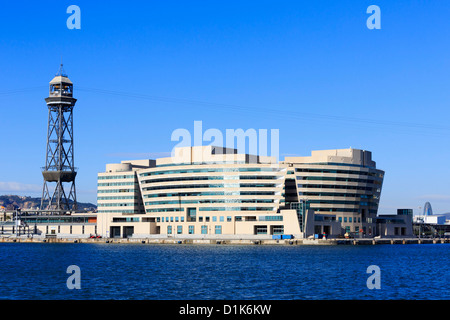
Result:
[[221, 241]]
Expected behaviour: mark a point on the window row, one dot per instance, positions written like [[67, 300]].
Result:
[[350, 219], [340, 164], [219, 218], [333, 194], [116, 190], [113, 184], [115, 177], [223, 185], [234, 177], [118, 198], [209, 201], [356, 203], [214, 209], [215, 193], [200, 219], [191, 230], [334, 186], [265, 169], [125, 219], [366, 173], [338, 179], [325, 210], [117, 204], [237, 209]]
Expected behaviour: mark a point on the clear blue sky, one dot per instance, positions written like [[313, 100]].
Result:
[[311, 69]]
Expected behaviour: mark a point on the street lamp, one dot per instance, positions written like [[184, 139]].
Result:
[[420, 222]]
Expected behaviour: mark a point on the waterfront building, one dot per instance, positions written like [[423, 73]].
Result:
[[210, 191], [400, 224], [216, 193], [341, 186], [32, 223], [119, 197], [203, 191]]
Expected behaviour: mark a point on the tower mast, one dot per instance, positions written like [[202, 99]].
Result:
[[59, 160]]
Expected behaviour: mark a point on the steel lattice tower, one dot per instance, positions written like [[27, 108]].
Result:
[[59, 161]]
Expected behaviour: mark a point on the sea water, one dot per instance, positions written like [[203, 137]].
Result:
[[206, 272]]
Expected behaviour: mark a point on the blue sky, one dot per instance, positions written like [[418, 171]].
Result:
[[311, 69]]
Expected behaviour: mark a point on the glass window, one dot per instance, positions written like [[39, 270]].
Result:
[[191, 229], [179, 229], [204, 230], [278, 229], [340, 219], [176, 219], [221, 219], [345, 219], [218, 229], [260, 229], [228, 218], [169, 229], [349, 219], [214, 218]]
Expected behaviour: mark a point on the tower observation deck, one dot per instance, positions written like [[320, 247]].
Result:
[[59, 160]]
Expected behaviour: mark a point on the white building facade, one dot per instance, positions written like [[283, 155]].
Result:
[[213, 192]]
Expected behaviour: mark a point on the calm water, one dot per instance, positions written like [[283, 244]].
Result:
[[142, 271]]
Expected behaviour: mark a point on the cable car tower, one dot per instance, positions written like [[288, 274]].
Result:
[[59, 161]]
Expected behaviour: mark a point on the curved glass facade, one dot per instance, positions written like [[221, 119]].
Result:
[[212, 187], [347, 191]]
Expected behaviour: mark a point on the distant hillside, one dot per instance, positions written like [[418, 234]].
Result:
[[11, 202]]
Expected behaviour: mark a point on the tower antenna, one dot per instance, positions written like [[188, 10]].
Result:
[[61, 72]]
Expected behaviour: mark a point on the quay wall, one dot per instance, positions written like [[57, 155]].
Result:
[[223, 241]]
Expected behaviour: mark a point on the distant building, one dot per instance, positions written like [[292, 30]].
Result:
[[431, 219], [400, 224], [427, 210], [436, 225]]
